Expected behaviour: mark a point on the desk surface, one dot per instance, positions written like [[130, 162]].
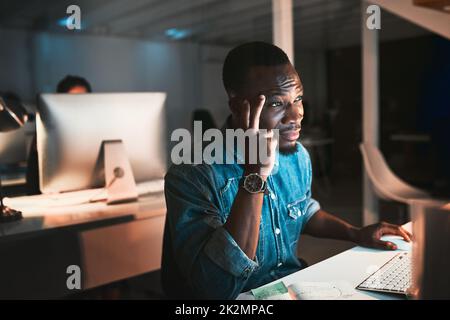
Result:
[[352, 266], [108, 243], [39, 218]]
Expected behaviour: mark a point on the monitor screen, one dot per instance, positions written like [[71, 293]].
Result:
[[72, 127]]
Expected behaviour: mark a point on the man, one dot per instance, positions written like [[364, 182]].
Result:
[[234, 227], [73, 84], [70, 84]]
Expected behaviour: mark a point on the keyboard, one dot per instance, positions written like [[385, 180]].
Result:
[[393, 277]]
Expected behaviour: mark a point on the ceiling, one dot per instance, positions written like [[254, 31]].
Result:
[[317, 23]]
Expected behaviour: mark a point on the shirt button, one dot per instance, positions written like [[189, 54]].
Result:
[[277, 231], [272, 273], [273, 196], [279, 264]]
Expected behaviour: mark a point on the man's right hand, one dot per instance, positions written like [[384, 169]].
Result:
[[245, 217], [249, 120]]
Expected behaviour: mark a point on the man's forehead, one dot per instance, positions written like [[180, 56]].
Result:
[[268, 78]]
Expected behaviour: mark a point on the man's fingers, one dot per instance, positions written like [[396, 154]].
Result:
[[245, 115], [405, 234], [256, 112], [384, 245], [409, 234], [268, 140], [395, 230], [267, 134]]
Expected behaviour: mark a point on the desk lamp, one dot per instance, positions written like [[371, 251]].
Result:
[[11, 118]]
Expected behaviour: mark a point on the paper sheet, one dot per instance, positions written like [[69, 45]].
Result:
[[277, 291], [333, 290]]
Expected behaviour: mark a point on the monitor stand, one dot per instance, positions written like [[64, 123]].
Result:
[[119, 179]]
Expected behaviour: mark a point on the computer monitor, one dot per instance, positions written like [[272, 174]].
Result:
[[71, 129]]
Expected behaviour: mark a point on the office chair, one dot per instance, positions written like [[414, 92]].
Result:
[[386, 184]]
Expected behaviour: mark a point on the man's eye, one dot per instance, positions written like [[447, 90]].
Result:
[[275, 104], [299, 98]]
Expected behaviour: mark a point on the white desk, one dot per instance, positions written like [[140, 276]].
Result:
[[353, 266], [110, 243], [41, 217]]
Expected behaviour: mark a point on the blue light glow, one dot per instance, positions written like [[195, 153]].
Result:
[[177, 34], [63, 21]]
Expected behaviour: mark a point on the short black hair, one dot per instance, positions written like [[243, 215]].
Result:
[[72, 81], [240, 59]]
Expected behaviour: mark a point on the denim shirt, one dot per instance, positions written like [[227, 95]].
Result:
[[201, 259]]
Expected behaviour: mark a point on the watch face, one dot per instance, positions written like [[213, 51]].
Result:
[[253, 183]]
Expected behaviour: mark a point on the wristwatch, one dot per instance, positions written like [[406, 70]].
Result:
[[254, 183]]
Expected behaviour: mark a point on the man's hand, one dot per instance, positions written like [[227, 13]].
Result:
[[370, 236], [249, 119]]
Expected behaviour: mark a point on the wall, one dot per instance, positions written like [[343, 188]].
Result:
[[214, 97], [15, 63], [36, 62]]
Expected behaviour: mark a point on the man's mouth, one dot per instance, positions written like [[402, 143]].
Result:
[[291, 135]]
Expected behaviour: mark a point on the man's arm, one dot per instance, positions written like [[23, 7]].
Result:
[[244, 220], [200, 257], [245, 215], [325, 225]]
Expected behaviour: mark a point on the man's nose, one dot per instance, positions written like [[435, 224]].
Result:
[[294, 113]]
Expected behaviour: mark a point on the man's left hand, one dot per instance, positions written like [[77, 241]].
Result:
[[370, 236]]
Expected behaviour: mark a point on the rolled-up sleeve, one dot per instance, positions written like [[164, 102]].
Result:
[[206, 255], [312, 206], [225, 252]]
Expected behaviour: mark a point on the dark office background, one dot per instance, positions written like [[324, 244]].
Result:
[[414, 74]]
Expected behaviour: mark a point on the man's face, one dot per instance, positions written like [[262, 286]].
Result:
[[78, 89], [283, 109]]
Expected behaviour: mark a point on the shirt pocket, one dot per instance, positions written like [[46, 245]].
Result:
[[295, 211]]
